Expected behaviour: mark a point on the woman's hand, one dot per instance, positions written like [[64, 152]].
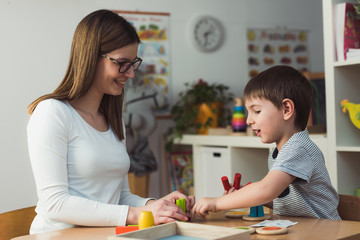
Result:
[[165, 209], [190, 200]]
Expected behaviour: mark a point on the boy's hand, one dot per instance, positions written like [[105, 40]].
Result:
[[232, 189], [204, 206]]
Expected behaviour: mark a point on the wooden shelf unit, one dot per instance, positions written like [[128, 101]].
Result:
[[342, 81]]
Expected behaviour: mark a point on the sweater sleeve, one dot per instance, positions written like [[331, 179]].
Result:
[[127, 198], [48, 132]]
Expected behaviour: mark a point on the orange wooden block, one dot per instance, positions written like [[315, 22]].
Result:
[[125, 229]]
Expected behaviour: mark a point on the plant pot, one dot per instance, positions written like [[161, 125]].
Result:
[[205, 111]]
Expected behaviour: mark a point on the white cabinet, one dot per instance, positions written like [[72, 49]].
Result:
[[216, 163], [342, 82], [217, 156]]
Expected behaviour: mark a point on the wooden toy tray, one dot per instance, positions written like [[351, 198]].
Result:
[[186, 231]]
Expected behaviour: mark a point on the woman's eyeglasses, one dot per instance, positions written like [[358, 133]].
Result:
[[125, 66]]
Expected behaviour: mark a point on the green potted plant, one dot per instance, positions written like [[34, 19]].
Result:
[[190, 112]]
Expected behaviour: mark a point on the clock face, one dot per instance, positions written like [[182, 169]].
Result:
[[207, 34]]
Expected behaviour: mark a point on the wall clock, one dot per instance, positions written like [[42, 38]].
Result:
[[207, 34]]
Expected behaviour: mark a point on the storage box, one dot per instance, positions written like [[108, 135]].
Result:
[[185, 229]]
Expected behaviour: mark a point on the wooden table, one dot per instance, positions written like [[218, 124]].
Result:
[[306, 229]]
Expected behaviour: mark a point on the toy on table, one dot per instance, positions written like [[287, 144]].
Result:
[[236, 185], [146, 219], [271, 230], [252, 230], [247, 184], [225, 182], [236, 214], [125, 229], [182, 204], [238, 120], [256, 213], [184, 230], [237, 180], [354, 111]]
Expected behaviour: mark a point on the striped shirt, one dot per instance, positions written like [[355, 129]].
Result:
[[311, 194]]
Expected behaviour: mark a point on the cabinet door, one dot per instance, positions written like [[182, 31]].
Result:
[[216, 163]]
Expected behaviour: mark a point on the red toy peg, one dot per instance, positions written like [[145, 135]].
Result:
[[237, 180], [225, 182], [247, 184]]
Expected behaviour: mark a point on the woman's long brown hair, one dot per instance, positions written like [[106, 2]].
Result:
[[99, 32]]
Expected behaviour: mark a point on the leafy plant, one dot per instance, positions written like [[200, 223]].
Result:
[[184, 112]]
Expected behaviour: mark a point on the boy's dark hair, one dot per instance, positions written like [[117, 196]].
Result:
[[280, 82]]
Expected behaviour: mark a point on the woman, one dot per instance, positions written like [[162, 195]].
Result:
[[76, 135]]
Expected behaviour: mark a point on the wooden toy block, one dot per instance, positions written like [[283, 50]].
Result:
[[125, 229], [256, 214], [271, 230], [146, 219], [260, 211], [253, 212], [182, 204]]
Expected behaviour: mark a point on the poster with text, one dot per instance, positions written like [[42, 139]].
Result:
[[270, 47], [154, 50]]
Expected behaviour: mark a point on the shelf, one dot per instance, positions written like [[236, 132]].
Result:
[[342, 82], [347, 149], [225, 141], [238, 141], [347, 63], [346, 86]]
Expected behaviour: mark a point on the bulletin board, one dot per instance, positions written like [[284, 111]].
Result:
[[153, 29], [270, 47]]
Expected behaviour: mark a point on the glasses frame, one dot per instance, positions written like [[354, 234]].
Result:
[[136, 60]]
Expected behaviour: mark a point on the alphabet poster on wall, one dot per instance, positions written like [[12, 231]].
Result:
[[270, 47], [153, 30]]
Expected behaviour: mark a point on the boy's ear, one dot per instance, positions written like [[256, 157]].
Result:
[[288, 108]]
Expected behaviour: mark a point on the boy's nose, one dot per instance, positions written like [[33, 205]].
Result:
[[249, 121]]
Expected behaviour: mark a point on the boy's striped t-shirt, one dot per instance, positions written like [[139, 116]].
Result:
[[311, 194]]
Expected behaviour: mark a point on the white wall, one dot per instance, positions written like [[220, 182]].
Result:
[[35, 38]]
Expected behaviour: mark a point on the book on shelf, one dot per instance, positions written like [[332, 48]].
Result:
[[353, 53], [347, 30]]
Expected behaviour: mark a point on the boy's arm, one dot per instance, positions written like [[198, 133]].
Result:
[[264, 191], [251, 195]]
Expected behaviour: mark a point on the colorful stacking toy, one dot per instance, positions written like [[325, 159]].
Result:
[[238, 120]]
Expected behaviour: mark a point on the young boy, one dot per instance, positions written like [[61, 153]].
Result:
[[278, 102]]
